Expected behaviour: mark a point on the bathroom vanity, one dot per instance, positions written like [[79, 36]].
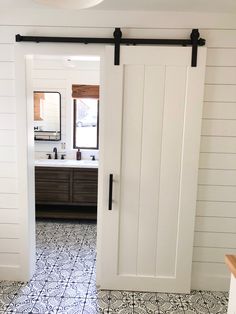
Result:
[[68, 186]]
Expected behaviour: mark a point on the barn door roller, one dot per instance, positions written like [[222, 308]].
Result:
[[117, 41]]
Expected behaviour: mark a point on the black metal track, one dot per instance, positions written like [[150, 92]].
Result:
[[117, 40]]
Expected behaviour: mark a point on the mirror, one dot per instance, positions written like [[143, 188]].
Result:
[[47, 116]]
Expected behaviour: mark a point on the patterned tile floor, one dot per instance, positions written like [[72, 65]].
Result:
[[64, 282]]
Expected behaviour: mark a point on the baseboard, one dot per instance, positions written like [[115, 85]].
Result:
[[11, 273], [210, 282]]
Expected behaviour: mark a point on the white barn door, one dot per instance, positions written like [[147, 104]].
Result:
[[152, 121]]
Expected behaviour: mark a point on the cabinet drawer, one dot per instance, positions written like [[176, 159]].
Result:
[[84, 175], [52, 174], [52, 197], [52, 187]]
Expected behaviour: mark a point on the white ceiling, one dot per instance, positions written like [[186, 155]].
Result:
[[222, 6]]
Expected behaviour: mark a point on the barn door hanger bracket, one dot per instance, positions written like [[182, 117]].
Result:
[[117, 41], [194, 41]]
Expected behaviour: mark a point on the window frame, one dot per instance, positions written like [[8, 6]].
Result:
[[74, 126]]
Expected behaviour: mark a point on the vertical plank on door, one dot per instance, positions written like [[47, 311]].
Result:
[[150, 168], [130, 167], [172, 145]]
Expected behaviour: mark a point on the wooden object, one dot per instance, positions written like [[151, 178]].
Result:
[[231, 263], [71, 186], [85, 91], [37, 112]]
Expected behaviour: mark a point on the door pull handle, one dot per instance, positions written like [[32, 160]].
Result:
[[110, 191]]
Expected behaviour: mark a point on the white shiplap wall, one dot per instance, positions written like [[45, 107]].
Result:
[[215, 229], [57, 75], [9, 212]]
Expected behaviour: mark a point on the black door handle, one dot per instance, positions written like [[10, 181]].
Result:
[[110, 191]]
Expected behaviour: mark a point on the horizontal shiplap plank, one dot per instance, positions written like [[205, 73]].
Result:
[[48, 65], [220, 37], [210, 270], [214, 239], [8, 201], [219, 110], [216, 209], [217, 193], [50, 83], [62, 91], [217, 177], [221, 57], [9, 231], [9, 245], [9, 216], [210, 276], [8, 34], [8, 170], [63, 67], [7, 154], [8, 185], [220, 93], [7, 88], [217, 161], [6, 52], [7, 105], [215, 224], [7, 70], [9, 259], [7, 137], [211, 254], [220, 75], [81, 76], [219, 127], [85, 77], [7, 121], [211, 144], [49, 74]]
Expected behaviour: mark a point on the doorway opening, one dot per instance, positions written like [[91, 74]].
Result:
[[52, 70], [66, 152], [66, 183]]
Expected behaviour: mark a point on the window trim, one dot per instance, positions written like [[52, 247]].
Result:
[[74, 127]]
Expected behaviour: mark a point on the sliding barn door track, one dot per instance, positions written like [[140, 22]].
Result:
[[117, 41]]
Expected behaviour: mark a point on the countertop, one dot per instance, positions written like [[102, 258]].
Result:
[[66, 163]]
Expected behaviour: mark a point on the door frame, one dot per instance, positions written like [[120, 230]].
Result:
[[25, 141]]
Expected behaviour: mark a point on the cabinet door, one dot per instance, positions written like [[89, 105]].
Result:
[[151, 126], [85, 186], [52, 185]]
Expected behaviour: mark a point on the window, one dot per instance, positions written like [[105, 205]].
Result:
[[86, 123]]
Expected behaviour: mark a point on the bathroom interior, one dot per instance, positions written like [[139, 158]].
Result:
[[66, 136]]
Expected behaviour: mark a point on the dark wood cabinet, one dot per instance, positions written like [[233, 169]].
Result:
[[84, 189], [66, 186]]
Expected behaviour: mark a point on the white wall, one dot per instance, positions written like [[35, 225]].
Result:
[[57, 75], [215, 229]]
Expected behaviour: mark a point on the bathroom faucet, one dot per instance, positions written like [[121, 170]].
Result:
[[55, 151]]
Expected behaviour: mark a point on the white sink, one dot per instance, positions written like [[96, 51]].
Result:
[[66, 163]]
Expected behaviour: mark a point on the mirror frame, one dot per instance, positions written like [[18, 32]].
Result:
[[50, 140]]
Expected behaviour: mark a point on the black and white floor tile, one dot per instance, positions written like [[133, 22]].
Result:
[[65, 282]]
